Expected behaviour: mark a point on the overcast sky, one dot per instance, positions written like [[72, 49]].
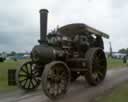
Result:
[[19, 20]]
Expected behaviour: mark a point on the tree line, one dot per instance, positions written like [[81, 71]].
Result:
[[123, 50]]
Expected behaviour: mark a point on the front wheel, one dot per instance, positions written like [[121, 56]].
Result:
[[55, 79]]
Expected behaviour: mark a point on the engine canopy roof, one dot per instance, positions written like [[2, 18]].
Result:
[[71, 30]]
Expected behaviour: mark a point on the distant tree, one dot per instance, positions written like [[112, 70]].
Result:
[[123, 50], [13, 53]]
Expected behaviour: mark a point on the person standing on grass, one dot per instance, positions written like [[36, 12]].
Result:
[[125, 59]]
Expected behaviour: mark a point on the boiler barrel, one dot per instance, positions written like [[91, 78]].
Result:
[[43, 54]]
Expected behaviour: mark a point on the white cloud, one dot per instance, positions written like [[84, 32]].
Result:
[[20, 19]]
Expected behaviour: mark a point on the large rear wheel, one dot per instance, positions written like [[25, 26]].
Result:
[[96, 65]]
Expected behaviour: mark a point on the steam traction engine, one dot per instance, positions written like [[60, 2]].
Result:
[[63, 55]]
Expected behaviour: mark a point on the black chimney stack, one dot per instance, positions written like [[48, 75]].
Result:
[[43, 25]]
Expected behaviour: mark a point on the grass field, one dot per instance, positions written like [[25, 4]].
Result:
[[112, 63], [119, 94], [115, 63], [4, 73]]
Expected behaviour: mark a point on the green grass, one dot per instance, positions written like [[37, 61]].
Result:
[[115, 63], [4, 74], [119, 94], [112, 63]]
